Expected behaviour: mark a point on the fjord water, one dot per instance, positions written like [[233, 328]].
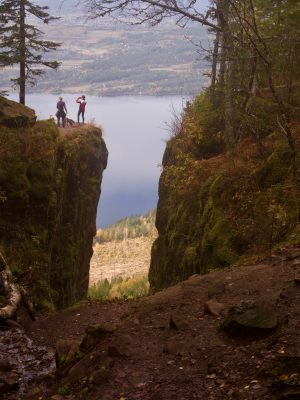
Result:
[[135, 131]]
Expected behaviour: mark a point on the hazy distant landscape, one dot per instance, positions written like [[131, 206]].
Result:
[[107, 58], [123, 249]]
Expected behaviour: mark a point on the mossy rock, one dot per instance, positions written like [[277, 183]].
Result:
[[285, 370], [66, 355], [93, 334], [251, 317], [48, 208], [15, 115]]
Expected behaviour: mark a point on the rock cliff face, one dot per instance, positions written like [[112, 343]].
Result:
[[49, 190], [215, 209]]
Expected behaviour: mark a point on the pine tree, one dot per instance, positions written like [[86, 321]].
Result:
[[21, 43], [4, 55]]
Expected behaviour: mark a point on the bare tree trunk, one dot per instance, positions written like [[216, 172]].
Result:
[[251, 84], [229, 103], [229, 82], [222, 65], [290, 69], [214, 66], [283, 120], [222, 69], [22, 51]]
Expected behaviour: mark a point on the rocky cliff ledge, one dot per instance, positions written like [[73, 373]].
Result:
[[216, 208], [50, 185]]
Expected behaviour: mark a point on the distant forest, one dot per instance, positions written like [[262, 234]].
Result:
[[128, 228]]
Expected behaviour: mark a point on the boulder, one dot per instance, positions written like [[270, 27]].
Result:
[[99, 376], [66, 355], [15, 115], [80, 369], [284, 371], [121, 347], [252, 318], [214, 308], [94, 333], [87, 366]]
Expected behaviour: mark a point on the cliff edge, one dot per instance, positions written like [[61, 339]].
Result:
[[50, 185], [216, 207]]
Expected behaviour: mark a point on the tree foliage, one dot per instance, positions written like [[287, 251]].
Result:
[[255, 54], [22, 43]]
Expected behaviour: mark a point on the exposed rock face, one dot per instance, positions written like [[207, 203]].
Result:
[[49, 190], [81, 158], [215, 207], [14, 115]]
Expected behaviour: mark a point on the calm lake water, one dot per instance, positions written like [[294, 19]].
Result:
[[135, 131]]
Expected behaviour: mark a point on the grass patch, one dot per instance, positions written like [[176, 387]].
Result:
[[120, 288], [63, 390]]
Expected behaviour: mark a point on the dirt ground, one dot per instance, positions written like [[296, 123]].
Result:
[[168, 347]]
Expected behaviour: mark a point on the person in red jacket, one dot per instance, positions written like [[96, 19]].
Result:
[[82, 104]]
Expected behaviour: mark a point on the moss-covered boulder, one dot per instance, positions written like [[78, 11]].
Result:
[[251, 317], [66, 355], [15, 115]]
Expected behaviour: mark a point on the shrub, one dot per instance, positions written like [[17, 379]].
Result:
[[120, 288], [100, 290]]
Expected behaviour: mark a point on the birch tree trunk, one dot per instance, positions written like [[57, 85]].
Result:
[[214, 67]]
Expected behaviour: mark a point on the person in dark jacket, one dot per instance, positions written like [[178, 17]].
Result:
[[61, 112], [81, 111]]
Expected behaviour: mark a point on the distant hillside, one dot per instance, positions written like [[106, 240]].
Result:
[[128, 228], [109, 59], [123, 249]]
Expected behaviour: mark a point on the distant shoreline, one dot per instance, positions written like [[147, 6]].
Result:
[[106, 95]]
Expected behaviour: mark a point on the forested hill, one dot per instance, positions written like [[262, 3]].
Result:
[[128, 228], [123, 249]]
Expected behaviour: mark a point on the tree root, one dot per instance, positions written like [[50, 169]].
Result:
[[13, 293]]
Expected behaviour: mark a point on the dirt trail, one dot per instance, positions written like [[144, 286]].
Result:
[[167, 347]]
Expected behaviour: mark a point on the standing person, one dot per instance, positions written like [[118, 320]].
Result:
[[82, 104], [61, 112]]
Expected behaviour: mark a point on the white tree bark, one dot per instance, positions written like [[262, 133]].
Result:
[[10, 291]]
